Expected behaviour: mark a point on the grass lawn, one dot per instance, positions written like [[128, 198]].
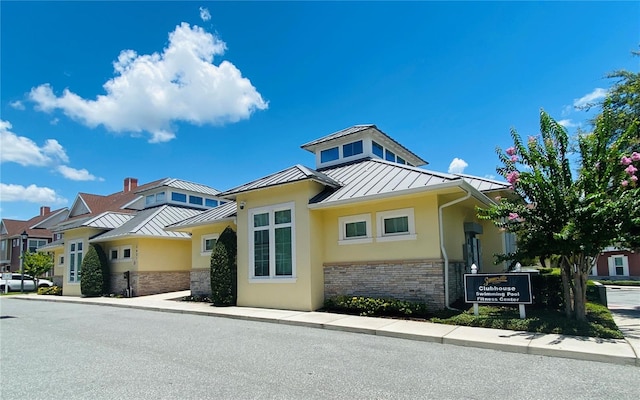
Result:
[[599, 321]]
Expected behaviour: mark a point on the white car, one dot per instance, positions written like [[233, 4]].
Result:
[[14, 283]]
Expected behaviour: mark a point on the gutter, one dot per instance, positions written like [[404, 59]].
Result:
[[442, 248]]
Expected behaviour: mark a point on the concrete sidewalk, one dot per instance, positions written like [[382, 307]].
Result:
[[615, 351]]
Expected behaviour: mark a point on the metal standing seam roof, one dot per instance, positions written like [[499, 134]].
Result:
[[219, 213], [51, 246], [376, 177], [183, 185], [108, 220], [150, 223], [484, 184], [293, 174]]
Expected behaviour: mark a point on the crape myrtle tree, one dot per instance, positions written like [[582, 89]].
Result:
[[95, 272], [224, 269], [574, 218], [36, 264]]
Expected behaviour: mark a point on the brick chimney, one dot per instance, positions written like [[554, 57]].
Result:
[[130, 184], [44, 210]]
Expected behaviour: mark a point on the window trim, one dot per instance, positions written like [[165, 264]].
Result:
[[271, 210], [342, 229], [612, 264], [73, 257], [203, 238], [403, 212], [120, 256]]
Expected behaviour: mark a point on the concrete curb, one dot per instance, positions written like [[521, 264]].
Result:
[[614, 351]]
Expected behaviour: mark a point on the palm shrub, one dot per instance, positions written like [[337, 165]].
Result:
[[224, 269], [95, 272]]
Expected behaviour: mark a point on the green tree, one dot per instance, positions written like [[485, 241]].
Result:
[[224, 269], [36, 264], [95, 272], [574, 218]]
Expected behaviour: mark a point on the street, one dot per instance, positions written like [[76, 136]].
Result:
[[68, 351]]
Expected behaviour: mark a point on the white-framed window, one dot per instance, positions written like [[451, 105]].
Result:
[[272, 243], [120, 253], [76, 250], [396, 225], [207, 244], [618, 265], [355, 229], [33, 244]]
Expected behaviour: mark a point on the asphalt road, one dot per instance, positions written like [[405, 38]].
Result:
[[69, 351]]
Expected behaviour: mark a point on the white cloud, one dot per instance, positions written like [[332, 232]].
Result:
[[31, 193], [77, 174], [590, 98], [24, 151], [151, 92], [54, 121], [205, 15], [457, 166], [567, 123], [17, 105]]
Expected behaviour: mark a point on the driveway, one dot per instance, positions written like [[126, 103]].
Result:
[[624, 303]]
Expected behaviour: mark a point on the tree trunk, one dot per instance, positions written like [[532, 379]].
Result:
[[565, 267], [581, 275]]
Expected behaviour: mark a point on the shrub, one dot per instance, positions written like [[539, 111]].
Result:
[[95, 272], [370, 306], [224, 269], [52, 291]]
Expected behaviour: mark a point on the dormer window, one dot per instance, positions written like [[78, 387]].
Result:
[[377, 149], [352, 149], [329, 155], [157, 198], [197, 200], [390, 156]]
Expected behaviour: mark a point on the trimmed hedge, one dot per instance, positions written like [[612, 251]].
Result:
[[95, 272], [224, 269], [370, 306]]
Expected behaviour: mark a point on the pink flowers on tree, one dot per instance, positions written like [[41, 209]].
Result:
[[631, 169], [512, 177]]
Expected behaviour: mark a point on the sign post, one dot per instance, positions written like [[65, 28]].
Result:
[[504, 289]]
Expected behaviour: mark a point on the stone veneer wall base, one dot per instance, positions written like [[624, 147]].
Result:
[[201, 282], [412, 280], [146, 283]]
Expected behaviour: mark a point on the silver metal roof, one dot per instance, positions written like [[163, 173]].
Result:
[[108, 220], [484, 184], [289, 175], [183, 185], [151, 223], [51, 246], [225, 211], [339, 134], [378, 177]]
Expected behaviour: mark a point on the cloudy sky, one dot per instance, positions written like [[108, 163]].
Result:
[[222, 93]]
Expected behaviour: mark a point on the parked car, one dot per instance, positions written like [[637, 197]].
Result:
[[14, 283]]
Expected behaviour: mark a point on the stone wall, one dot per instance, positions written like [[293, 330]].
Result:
[[146, 283], [201, 282], [413, 280], [457, 270], [57, 280]]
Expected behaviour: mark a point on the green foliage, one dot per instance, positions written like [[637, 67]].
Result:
[[95, 272], [224, 269], [599, 322], [52, 291], [36, 264], [369, 306]]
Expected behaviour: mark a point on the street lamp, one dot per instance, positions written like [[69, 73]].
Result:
[[23, 240]]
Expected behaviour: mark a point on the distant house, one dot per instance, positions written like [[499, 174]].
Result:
[[128, 226], [615, 263], [38, 235], [366, 221]]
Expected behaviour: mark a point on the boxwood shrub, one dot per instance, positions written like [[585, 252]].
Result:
[[372, 306]]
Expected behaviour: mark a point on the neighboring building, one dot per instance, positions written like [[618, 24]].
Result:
[[38, 235], [614, 263], [366, 221], [128, 226]]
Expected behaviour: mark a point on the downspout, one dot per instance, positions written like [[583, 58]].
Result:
[[442, 248]]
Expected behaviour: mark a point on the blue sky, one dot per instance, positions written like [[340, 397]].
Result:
[[222, 93]]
